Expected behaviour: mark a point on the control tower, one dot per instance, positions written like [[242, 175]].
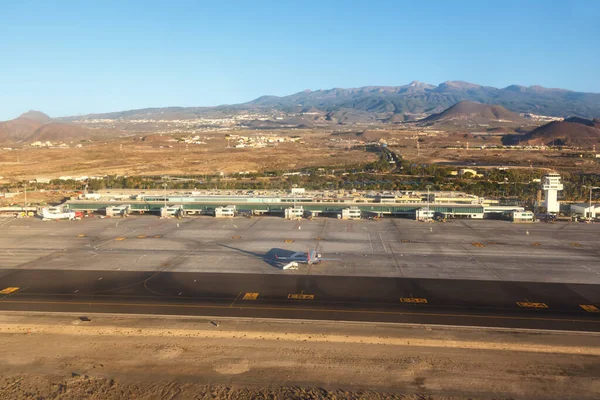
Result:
[[551, 184]]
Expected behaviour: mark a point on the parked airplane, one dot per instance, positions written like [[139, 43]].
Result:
[[47, 215], [310, 257]]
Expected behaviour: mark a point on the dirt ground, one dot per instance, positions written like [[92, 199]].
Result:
[[124, 357], [38, 197], [160, 157], [156, 155]]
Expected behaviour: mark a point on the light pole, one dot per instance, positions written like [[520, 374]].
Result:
[[590, 209], [25, 203], [428, 187]]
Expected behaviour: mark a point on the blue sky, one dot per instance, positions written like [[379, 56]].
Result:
[[75, 57]]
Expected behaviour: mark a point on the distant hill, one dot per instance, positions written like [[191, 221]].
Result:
[[570, 132], [34, 125], [465, 114], [17, 129], [385, 102], [59, 132], [36, 116]]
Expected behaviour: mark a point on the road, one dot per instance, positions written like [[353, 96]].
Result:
[[553, 306]]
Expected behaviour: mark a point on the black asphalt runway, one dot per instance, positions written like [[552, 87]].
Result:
[[554, 306]]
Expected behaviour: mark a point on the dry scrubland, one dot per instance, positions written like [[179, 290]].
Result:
[[155, 157], [36, 198], [148, 158]]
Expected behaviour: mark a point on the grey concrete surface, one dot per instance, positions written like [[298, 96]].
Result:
[[460, 249]]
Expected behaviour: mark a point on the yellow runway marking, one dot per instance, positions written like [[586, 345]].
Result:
[[477, 244], [575, 244], [527, 304], [120, 238], [413, 300], [288, 241], [301, 296], [236, 237], [142, 237], [590, 308], [157, 236], [9, 290], [405, 241], [198, 306], [81, 235], [250, 296]]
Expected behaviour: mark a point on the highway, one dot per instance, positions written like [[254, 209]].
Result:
[[553, 306]]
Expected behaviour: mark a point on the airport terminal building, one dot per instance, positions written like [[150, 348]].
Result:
[[413, 204]]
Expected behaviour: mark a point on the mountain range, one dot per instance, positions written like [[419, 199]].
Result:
[[395, 103], [418, 97]]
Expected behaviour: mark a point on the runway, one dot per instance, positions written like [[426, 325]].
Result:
[[535, 305]]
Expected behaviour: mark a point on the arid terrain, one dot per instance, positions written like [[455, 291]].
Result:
[[112, 357], [161, 155]]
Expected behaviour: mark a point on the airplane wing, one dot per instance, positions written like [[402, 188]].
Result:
[[292, 265]]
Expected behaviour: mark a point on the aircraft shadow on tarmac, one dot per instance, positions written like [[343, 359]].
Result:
[[270, 257]]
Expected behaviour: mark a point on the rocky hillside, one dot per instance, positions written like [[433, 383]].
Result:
[[570, 132], [468, 114], [34, 125]]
